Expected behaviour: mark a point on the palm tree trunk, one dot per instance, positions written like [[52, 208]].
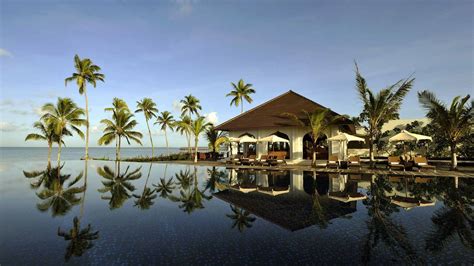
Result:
[[151, 139], [188, 137], [371, 151], [87, 124], [314, 155], [167, 148], [241, 105], [196, 149], [116, 148], [59, 150], [84, 193], [119, 144], [454, 159], [50, 147]]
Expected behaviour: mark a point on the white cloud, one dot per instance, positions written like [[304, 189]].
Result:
[[212, 118], [8, 127], [183, 8], [177, 105], [5, 53], [99, 128]]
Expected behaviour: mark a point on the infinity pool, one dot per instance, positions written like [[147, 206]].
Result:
[[139, 213]]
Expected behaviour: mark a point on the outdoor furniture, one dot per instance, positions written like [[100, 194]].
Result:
[[244, 188], [346, 196], [422, 164], [332, 162], [202, 156], [273, 191], [263, 160], [249, 160], [277, 159], [354, 162], [394, 162], [235, 159]]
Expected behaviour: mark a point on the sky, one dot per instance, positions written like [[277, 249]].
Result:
[[168, 49]]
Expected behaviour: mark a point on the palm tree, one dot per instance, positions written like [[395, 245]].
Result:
[[215, 138], [192, 198], [165, 119], [117, 105], [148, 107], [380, 107], [55, 196], [145, 200], [86, 72], [454, 123], [183, 126], [317, 122], [242, 218], [215, 180], [64, 117], [80, 239], [46, 133], [121, 125], [118, 184], [165, 187], [190, 105], [240, 92], [198, 126]]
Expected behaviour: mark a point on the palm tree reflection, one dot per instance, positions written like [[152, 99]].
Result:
[[191, 197], [165, 187], [79, 239], [55, 195], [380, 225], [242, 218], [456, 217], [215, 180], [118, 184], [145, 200]]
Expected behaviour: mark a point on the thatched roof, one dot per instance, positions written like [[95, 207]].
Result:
[[270, 113]]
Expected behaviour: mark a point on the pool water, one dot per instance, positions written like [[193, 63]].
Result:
[[139, 213]]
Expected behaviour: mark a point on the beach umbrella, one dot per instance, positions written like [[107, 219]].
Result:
[[247, 139], [408, 136], [272, 139], [345, 138]]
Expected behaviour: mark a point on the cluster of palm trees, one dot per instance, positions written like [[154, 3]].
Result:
[[65, 118]]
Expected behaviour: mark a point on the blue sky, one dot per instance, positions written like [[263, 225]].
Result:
[[168, 49]]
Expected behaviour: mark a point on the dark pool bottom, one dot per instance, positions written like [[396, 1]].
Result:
[[176, 214]]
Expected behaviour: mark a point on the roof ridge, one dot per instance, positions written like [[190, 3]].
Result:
[[258, 106]]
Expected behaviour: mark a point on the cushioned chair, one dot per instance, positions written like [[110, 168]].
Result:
[[394, 162]]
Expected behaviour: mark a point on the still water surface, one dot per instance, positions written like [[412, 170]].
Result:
[[176, 214]]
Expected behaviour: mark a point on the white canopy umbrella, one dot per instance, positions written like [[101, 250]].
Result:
[[345, 138], [273, 138], [233, 139], [247, 139], [408, 136]]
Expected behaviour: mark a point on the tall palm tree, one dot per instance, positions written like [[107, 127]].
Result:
[[453, 123], [317, 122], [183, 126], [241, 91], [165, 120], [381, 107], [190, 105], [117, 105], [192, 197], [121, 125], [64, 117], [242, 218], [198, 126], [80, 239], [145, 200], [56, 196], [148, 107], [46, 133], [215, 138], [86, 72], [118, 184]]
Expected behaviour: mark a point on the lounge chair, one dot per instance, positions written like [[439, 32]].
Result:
[[332, 162], [262, 160], [422, 164], [353, 162], [235, 159], [244, 188], [273, 191], [277, 160], [346, 196], [249, 160], [395, 163], [202, 156]]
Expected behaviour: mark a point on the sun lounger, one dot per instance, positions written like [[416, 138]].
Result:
[[273, 191], [346, 197], [422, 164], [332, 162], [234, 160], [249, 160], [353, 162], [394, 162], [263, 160], [244, 188]]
